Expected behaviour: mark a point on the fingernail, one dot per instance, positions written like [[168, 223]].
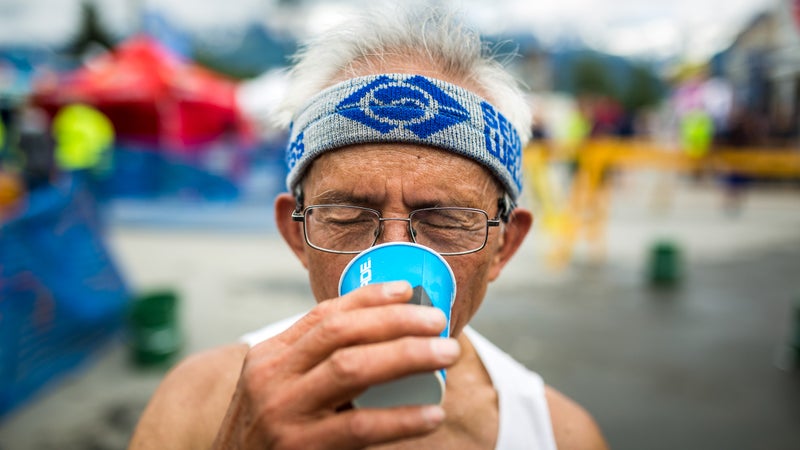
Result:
[[395, 288], [433, 415], [446, 348]]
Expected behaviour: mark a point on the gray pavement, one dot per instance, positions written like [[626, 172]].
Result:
[[696, 366]]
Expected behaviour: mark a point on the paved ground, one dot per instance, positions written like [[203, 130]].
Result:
[[695, 367]]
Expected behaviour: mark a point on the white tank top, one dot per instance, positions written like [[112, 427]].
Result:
[[524, 416]]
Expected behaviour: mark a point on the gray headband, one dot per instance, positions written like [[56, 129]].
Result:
[[410, 109]]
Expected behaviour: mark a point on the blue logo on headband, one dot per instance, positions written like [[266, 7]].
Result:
[[502, 141], [296, 150], [414, 104]]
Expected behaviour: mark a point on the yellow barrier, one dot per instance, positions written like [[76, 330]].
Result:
[[583, 213], [554, 214]]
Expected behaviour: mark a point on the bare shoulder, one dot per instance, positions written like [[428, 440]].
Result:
[[573, 426], [190, 403]]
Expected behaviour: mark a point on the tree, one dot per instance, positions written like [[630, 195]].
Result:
[[91, 32], [644, 88], [590, 76]]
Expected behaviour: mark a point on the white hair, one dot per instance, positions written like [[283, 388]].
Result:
[[428, 35]]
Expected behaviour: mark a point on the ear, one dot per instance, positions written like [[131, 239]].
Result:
[[291, 231], [510, 240]]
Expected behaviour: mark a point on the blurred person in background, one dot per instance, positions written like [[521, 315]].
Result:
[[697, 133], [36, 146], [26, 155], [397, 111], [84, 140]]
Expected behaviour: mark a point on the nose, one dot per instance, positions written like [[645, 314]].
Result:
[[394, 230]]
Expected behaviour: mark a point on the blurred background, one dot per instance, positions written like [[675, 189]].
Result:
[[659, 287]]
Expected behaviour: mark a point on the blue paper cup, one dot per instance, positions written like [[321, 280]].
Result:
[[434, 285]]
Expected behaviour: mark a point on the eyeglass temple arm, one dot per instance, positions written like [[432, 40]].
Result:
[[297, 214]]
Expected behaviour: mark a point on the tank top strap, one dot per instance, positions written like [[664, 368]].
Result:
[[260, 335], [524, 414]]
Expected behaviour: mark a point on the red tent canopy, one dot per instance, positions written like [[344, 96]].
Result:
[[796, 11], [150, 95]]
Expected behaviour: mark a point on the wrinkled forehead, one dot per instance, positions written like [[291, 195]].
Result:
[[422, 173]]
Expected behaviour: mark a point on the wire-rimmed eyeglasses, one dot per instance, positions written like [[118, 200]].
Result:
[[348, 229]]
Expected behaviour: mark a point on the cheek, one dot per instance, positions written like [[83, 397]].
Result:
[[324, 272], [471, 280]]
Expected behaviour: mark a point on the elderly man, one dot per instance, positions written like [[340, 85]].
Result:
[[397, 120]]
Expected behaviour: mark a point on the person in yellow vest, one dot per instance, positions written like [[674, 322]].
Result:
[[84, 137], [697, 133]]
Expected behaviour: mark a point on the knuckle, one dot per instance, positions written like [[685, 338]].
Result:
[[334, 327], [346, 365], [321, 310], [413, 349], [361, 427]]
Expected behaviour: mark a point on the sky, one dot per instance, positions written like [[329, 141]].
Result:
[[694, 29]]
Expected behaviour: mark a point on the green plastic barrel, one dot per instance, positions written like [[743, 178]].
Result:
[[155, 334], [665, 264]]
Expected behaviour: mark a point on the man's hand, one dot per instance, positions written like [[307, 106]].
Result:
[[292, 385]]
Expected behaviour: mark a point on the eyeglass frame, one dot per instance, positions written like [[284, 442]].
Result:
[[504, 203]]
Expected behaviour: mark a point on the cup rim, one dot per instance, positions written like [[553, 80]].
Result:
[[395, 244]]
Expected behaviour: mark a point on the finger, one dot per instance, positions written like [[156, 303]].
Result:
[[365, 297], [350, 371], [279, 351], [356, 429], [364, 326]]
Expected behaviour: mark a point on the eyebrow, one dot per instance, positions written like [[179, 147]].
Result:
[[340, 198], [343, 198]]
